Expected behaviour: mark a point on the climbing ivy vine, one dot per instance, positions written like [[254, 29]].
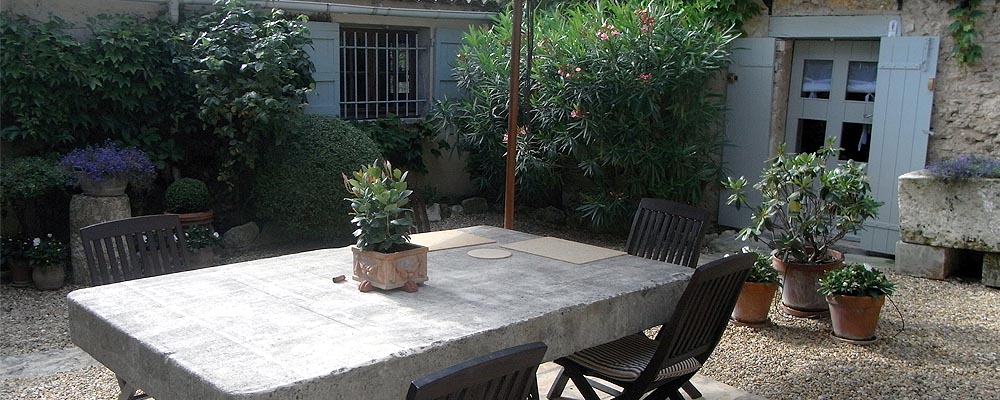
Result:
[[963, 30]]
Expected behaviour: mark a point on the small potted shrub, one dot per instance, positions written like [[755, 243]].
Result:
[[14, 257], [856, 294], [201, 242], [808, 207], [190, 200], [758, 292], [107, 170], [47, 257], [383, 256]]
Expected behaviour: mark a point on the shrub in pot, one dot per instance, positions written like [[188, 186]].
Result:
[[856, 294], [808, 207], [190, 200], [758, 292], [384, 258], [47, 257], [108, 169]]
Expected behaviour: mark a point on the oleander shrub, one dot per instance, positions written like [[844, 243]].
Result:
[[188, 195], [299, 187], [619, 93]]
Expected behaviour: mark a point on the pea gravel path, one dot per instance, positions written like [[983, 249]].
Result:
[[950, 347]]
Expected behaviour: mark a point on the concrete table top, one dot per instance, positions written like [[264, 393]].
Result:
[[279, 328]]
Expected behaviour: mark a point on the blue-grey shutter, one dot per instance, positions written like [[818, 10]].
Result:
[[900, 126], [748, 120], [325, 55], [447, 42]]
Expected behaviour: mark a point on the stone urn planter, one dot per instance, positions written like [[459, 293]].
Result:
[[855, 318], [753, 304], [49, 277], [108, 187], [403, 269], [799, 295]]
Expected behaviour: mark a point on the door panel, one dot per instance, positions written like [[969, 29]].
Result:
[[901, 127], [748, 120]]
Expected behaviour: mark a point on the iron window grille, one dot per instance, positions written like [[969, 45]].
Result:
[[380, 73]]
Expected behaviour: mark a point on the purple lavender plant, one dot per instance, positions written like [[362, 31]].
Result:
[[110, 161], [966, 166]]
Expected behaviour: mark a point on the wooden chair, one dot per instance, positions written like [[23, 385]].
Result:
[[420, 222], [504, 375], [134, 248], [667, 231], [640, 365]]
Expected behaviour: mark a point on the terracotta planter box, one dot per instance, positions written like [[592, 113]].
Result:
[[387, 271], [953, 213]]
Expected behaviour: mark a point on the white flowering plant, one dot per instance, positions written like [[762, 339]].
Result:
[[45, 251], [199, 237]]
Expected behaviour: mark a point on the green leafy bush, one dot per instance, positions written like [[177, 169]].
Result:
[[188, 195], [299, 186], [618, 92], [30, 177], [379, 197], [402, 143], [855, 280], [762, 271], [251, 75]]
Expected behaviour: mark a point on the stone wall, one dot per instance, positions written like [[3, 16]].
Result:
[[966, 112]]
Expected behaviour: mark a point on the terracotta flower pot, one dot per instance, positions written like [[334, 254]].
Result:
[[754, 303], [855, 318], [799, 286], [193, 219], [49, 277], [387, 271], [201, 258], [20, 272]]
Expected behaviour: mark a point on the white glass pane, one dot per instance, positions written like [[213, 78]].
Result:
[[861, 80], [816, 76]]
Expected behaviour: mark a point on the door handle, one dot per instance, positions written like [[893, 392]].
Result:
[[867, 116]]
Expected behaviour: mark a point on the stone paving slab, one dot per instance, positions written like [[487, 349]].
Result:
[[45, 363]]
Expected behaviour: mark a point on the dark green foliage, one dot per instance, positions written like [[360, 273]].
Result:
[[762, 271], [403, 143], [618, 93], [378, 197], [855, 280], [963, 31], [251, 75], [122, 84], [29, 177], [299, 186], [188, 195]]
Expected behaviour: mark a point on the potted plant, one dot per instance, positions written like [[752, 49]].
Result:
[[383, 256], [189, 199], [201, 242], [856, 294], [15, 258], [107, 170], [47, 257], [758, 292], [808, 206]]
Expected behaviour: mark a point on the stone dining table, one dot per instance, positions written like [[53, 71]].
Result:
[[280, 328]]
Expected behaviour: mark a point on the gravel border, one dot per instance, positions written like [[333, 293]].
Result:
[[949, 348]]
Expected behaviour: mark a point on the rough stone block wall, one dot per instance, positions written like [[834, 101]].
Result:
[[966, 113]]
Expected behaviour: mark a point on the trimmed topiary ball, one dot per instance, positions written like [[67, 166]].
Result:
[[188, 195], [299, 188]]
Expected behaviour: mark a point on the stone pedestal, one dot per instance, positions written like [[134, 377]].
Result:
[[85, 211], [927, 261], [991, 269]]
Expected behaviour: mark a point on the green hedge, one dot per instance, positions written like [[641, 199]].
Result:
[[299, 189]]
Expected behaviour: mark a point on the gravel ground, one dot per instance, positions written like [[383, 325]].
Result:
[[950, 347]]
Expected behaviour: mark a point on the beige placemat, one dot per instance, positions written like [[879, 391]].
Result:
[[563, 250], [489, 254], [441, 240]]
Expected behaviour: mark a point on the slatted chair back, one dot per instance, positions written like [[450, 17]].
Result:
[[667, 231], [701, 316], [504, 375], [420, 222], [134, 248]]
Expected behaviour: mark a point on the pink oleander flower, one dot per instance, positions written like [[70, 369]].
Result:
[[645, 76]]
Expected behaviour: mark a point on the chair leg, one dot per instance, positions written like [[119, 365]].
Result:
[[558, 385], [691, 390], [581, 383]]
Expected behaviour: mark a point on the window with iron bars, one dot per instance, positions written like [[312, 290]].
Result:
[[380, 73]]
